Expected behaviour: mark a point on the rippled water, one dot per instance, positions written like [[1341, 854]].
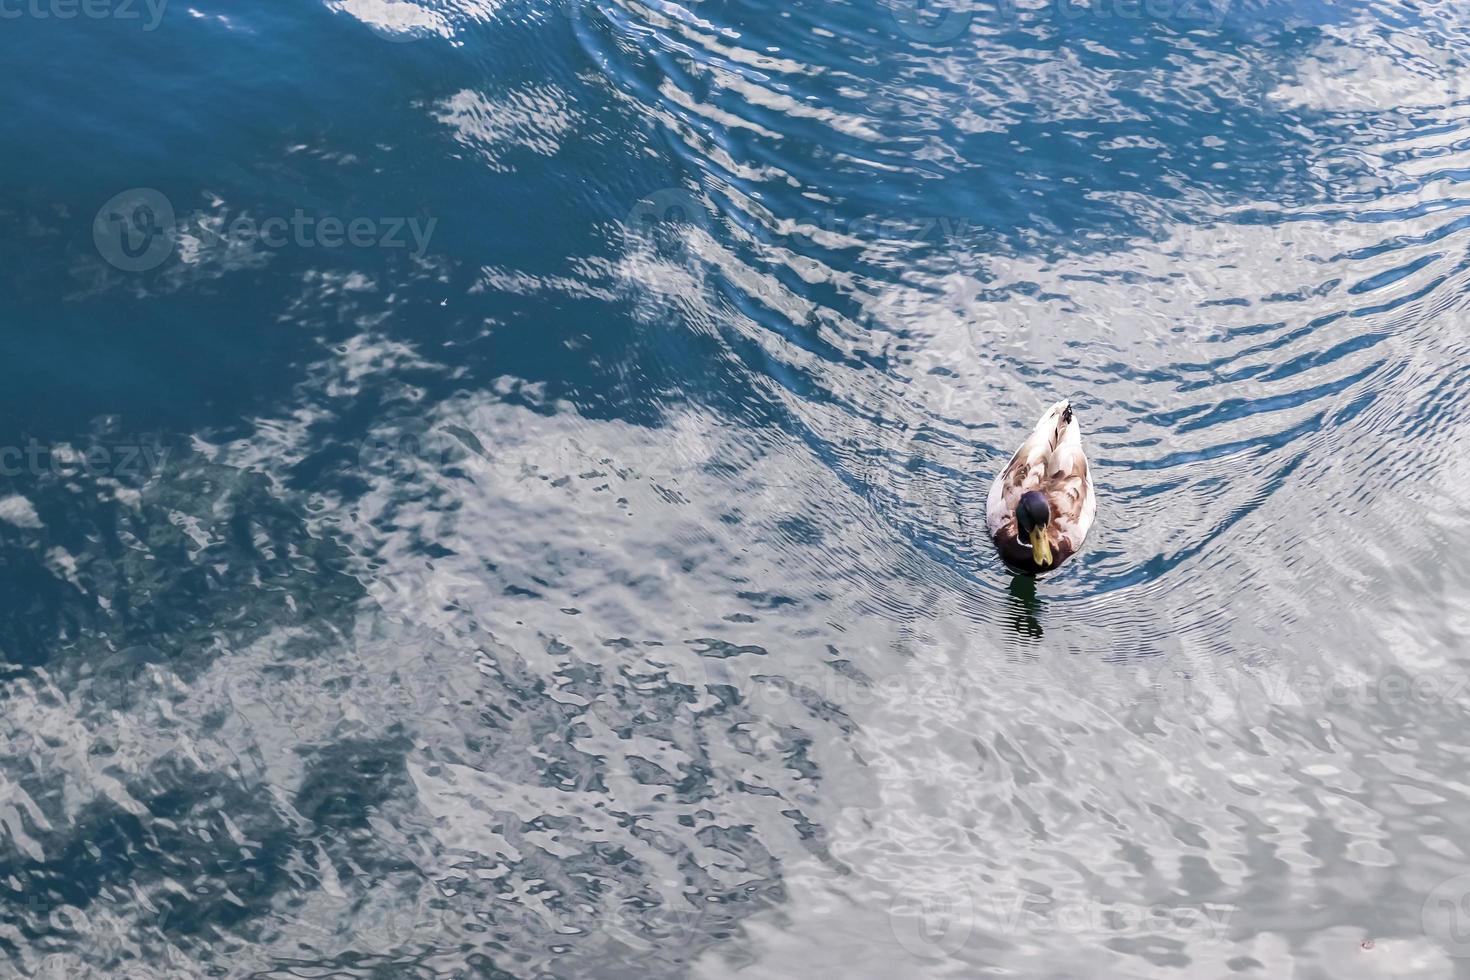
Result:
[[496, 489]]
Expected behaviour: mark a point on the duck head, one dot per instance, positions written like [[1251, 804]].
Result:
[[1033, 515]]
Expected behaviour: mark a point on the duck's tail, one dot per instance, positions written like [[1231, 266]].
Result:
[[1054, 424], [1063, 436]]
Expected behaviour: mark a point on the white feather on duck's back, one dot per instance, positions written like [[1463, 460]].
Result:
[[1031, 456], [1052, 463]]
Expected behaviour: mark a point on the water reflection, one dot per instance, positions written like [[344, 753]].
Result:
[[1025, 607], [602, 589]]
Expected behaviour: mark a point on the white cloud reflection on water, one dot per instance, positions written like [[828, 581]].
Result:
[[940, 776]]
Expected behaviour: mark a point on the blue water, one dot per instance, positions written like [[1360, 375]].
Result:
[[493, 489]]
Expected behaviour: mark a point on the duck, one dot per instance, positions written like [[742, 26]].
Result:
[[1042, 504]]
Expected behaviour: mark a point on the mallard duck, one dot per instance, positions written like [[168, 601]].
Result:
[[1041, 505]]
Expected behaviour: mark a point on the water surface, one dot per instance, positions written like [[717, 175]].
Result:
[[496, 489]]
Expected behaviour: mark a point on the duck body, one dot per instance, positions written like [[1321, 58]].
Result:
[[1042, 504]]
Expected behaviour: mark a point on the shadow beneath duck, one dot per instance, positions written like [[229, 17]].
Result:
[[1025, 607]]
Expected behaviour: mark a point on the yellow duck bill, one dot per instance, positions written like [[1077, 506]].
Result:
[[1040, 546]]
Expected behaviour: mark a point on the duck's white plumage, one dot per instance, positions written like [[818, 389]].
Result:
[[1052, 462]]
